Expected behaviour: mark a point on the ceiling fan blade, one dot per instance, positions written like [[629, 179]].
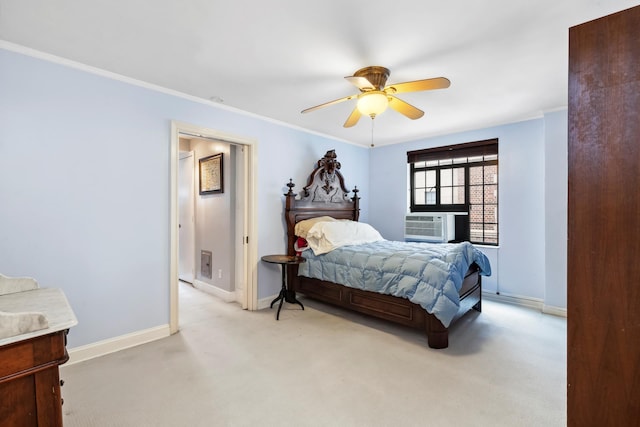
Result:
[[361, 83], [404, 108], [418, 85], [326, 104], [353, 118]]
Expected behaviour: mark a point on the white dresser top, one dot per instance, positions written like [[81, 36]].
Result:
[[49, 301]]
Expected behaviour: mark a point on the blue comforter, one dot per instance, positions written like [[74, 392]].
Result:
[[426, 274]]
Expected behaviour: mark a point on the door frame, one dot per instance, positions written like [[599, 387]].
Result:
[[249, 238]]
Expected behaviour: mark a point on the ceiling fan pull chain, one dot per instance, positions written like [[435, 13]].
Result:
[[372, 120]]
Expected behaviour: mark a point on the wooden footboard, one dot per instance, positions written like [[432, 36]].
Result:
[[391, 308]]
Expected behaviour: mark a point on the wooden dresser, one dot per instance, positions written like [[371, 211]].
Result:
[[29, 379], [603, 335]]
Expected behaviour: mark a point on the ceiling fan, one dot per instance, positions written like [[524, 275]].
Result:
[[375, 97]]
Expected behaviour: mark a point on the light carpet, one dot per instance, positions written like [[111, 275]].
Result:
[[323, 366]]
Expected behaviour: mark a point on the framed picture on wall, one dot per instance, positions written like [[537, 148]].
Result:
[[211, 174]]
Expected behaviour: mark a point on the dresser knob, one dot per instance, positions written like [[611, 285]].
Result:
[[61, 383]]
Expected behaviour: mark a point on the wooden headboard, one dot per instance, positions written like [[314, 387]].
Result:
[[324, 194]]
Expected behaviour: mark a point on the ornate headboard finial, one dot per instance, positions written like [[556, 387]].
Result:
[[290, 184], [355, 193], [326, 182], [329, 162]]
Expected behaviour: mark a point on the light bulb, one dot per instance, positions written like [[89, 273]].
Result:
[[372, 103]]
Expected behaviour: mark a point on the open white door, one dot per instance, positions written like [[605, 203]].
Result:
[[186, 226], [241, 216]]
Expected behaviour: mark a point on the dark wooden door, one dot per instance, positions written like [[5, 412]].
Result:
[[603, 340]]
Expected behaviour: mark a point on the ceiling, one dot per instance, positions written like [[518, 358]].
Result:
[[506, 59]]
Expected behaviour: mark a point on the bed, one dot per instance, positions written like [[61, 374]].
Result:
[[324, 204]]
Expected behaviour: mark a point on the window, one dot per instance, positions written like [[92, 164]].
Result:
[[458, 178]]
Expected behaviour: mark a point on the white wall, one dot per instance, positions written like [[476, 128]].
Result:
[[521, 257], [85, 188]]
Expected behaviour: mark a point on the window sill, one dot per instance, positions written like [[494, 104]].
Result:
[[478, 245]]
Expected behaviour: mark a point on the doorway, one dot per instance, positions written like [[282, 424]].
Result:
[[245, 247]]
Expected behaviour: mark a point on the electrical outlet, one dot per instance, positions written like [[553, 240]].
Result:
[[220, 274]]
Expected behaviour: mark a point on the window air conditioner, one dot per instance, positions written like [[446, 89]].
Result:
[[429, 227]]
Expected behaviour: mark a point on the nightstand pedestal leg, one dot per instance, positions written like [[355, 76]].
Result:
[[285, 294]]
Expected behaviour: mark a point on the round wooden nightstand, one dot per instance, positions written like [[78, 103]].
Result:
[[285, 294]]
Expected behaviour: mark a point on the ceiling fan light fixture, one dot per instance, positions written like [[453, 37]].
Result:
[[372, 103], [375, 95]]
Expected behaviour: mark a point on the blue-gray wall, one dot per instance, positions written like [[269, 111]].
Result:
[[85, 191], [556, 198], [531, 259], [85, 188]]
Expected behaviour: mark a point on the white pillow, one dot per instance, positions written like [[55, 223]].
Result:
[[324, 237], [302, 228]]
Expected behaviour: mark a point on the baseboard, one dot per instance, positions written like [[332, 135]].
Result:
[[528, 302], [514, 299], [239, 296], [226, 296], [111, 345], [556, 311], [266, 302]]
